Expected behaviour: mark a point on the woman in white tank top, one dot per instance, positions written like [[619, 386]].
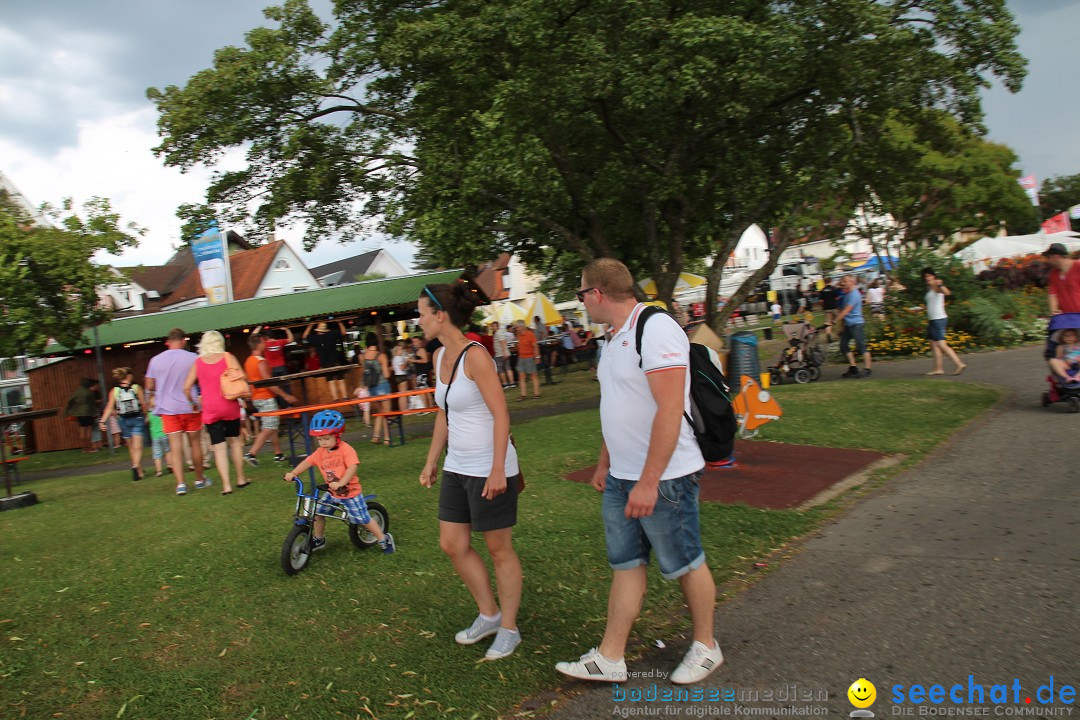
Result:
[[480, 474]]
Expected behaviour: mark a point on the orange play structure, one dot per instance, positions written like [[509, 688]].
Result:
[[755, 406]]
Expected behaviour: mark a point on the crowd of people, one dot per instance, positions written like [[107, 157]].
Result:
[[648, 466]]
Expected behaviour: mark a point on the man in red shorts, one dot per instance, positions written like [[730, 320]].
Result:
[[165, 380]]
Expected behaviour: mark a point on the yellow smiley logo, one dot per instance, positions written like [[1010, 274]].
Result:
[[862, 693]]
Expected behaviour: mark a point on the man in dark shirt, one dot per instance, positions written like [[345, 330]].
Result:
[[326, 341]]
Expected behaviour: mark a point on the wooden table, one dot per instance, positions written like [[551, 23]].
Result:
[[304, 410], [19, 417]]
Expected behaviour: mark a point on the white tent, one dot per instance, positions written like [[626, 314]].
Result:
[[983, 253]]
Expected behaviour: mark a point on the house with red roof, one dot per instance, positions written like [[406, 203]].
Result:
[[257, 271]]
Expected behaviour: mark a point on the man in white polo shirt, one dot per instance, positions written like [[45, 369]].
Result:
[[649, 469]]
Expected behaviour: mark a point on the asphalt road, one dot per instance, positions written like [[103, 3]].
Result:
[[966, 565]]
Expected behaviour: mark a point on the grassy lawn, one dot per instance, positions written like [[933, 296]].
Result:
[[891, 416], [60, 459], [122, 600]]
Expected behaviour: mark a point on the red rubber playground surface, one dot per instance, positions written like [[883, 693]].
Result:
[[774, 476]]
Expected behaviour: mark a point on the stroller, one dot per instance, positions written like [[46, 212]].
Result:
[[803, 357], [1060, 390]]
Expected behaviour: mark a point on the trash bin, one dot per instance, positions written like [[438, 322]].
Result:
[[743, 357]]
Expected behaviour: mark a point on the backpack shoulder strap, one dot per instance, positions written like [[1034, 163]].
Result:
[[647, 313]]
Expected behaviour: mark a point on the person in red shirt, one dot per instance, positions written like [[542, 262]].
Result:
[[337, 463], [276, 342], [1064, 287], [275, 348]]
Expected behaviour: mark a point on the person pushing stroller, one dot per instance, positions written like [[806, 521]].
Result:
[[337, 462]]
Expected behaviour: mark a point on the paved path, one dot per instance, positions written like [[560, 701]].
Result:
[[967, 564]]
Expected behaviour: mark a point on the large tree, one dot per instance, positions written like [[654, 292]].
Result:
[[942, 178], [48, 281], [653, 131]]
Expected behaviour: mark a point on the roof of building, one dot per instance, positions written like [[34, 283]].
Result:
[[350, 266], [248, 268], [178, 270], [161, 278], [369, 296]]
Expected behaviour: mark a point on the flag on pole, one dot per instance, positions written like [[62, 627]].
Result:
[[1031, 188], [1058, 223]]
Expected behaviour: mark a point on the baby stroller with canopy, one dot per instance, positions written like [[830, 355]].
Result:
[[1063, 388], [803, 357]]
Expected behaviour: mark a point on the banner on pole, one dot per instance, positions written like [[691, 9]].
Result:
[[1058, 223], [1031, 188], [212, 259]]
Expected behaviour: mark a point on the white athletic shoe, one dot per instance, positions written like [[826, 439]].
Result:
[[594, 666], [698, 663]]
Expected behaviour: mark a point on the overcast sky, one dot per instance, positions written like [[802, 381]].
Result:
[[75, 122]]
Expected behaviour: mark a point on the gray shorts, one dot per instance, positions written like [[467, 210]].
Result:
[[527, 365], [500, 364], [269, 422]]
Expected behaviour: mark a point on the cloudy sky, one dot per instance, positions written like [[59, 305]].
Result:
[[75, 122]]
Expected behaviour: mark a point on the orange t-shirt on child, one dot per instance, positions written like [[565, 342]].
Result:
[[251, 369], [336, 462]]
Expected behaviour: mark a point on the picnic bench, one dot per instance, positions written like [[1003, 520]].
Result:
[[394, 420], [303, 412]]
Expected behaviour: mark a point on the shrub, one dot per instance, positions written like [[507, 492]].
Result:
[[1029, 271]]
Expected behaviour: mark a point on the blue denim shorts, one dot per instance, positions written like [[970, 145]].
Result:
[[935, 329], [355, 507], [134, 425], [672, 530], [160, 446]]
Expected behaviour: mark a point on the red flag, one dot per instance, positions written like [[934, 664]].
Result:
[[1058, 223]]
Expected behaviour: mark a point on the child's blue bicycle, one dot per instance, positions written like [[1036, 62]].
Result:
[[296, 551]]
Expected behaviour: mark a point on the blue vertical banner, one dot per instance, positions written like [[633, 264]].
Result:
[[211, 251]]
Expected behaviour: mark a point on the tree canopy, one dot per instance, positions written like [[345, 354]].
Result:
[[943, 177], [1058, 194], [652, 131], [48, 284]]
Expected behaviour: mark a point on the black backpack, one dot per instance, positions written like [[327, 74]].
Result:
[[373, 374], [711, 416]]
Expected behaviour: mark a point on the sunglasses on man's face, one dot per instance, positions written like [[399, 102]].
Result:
[[583, 292]]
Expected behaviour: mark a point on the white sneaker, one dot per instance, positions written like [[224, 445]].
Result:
[[697, 664], [594, 666], [479, 630]]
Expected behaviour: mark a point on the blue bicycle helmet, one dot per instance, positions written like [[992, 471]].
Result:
[[327, 422]]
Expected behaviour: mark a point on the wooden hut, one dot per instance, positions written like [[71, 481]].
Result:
[[132, 341]]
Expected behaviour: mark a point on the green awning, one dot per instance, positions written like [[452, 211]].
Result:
[[377, 295]]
